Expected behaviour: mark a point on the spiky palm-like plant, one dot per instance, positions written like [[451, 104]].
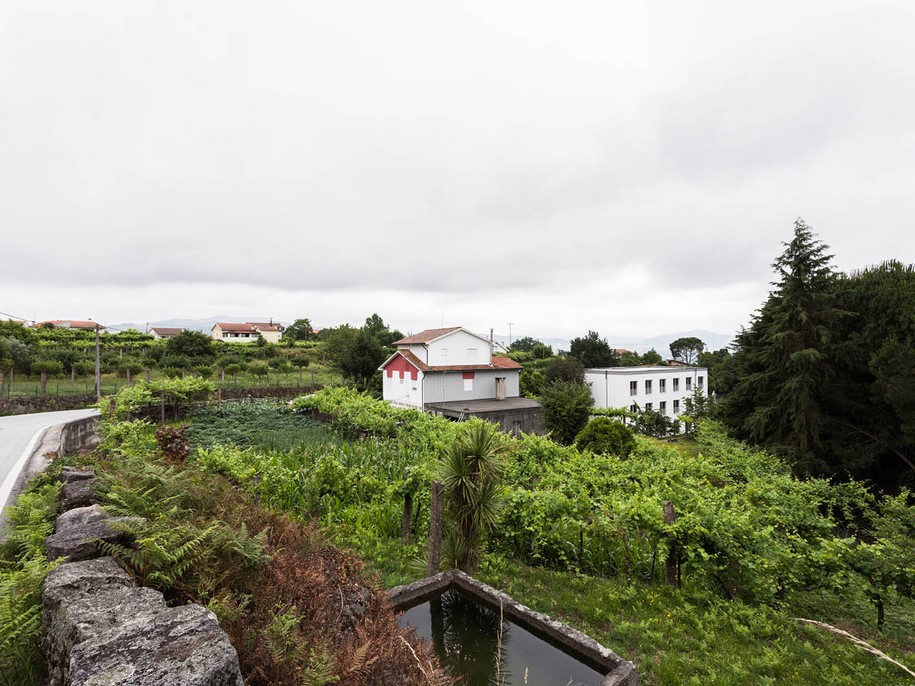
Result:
[[471, 471]]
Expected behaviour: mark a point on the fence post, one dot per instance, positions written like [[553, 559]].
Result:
[[435, 527]]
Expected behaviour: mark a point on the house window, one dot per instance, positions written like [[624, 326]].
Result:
[[444, 353], [472, 354], [699, 381], [468, 381], [648, 387], [662, 407], [648, 407], [633, 408], [662, 385], [633, 388], [689, 384], [676, 385], [676, 407]]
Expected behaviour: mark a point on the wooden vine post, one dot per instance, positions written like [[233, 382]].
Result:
[[435, 527]]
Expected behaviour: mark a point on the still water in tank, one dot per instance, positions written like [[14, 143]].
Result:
[[479, 649]]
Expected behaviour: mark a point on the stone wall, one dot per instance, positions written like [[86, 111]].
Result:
[[48, 403], [101, 628]]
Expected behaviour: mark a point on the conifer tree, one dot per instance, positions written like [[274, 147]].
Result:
[[783, 359]]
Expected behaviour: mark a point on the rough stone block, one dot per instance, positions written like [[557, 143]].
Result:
[[76, 533], [100, 629], [82, 599], [78, 493], [184, 646], [70, 474]]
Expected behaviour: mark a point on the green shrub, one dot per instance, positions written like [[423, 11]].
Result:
[[603, 435]]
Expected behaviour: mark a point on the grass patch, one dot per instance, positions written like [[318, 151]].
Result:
[[689, 636]]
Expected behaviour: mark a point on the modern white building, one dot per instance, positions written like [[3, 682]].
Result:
[[638, 389]]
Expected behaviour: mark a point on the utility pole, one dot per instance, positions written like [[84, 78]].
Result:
[[98, 369], [510, 334]]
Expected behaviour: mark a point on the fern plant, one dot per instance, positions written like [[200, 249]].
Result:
[[23, 567]]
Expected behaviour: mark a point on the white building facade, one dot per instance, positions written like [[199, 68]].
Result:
[[639, 389], [447, 365]]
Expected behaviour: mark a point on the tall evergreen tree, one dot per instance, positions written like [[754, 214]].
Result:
[[873, 396], [782, 359]]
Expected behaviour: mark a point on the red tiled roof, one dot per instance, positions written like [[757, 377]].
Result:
[[72, 323], [497, 363], [235, 328], [413, 359], [166, 330], [267, 326], [426, 336], [500, 362]]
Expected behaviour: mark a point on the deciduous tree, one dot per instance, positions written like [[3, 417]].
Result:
[[566, 409], [687, 349], [593, 351]]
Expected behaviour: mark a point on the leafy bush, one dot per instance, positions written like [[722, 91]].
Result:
[[603, 435]]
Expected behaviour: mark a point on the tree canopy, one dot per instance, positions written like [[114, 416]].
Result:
[[299, 330], [823, 374], [687, 349], [593, 351]]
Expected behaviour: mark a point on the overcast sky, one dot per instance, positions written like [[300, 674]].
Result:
[[626, 167]]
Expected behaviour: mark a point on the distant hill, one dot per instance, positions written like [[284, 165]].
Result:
[[204, 324]]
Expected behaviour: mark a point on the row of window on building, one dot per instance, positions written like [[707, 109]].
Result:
[[662, 385], [662, 407]]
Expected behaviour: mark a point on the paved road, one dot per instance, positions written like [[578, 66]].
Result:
[[18, 435]]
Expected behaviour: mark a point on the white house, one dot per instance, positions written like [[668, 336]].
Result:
[[662, 389], [247, 332], [447, 365], [160, 332]]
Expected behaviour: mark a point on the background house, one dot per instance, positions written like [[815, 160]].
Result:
[[662, 389], [159, 332], [247, 332], [453, 372]]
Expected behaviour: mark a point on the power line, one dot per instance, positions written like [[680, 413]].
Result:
[[13, 316]]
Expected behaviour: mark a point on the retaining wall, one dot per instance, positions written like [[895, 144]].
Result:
[[78, 434]]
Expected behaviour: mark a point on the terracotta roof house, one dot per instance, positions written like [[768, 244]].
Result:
[[247, 332], [69, 324], [453, 372], [165, 331]]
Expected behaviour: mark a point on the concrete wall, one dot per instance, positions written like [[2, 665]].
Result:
[[616, 670], [443, 387], [77, 435]]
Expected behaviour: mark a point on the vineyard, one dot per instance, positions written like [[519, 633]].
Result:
[[730, 529]]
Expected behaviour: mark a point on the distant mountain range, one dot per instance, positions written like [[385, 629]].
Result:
[[712, 340]]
